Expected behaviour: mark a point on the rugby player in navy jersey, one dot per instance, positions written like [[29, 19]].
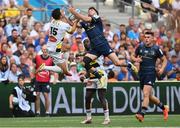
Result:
[[93, 26], [146, 54]]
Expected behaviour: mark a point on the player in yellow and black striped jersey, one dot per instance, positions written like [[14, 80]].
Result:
[[93, 85]]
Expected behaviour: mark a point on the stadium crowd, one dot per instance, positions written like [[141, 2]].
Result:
[[22, 37]]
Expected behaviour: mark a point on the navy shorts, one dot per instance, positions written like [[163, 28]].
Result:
[[100, 47], [148, 79], [42, 87]]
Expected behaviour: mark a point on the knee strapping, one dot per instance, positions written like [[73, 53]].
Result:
[[87, 62]]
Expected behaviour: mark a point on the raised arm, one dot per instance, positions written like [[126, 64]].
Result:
[[73, 28], [80, 16]]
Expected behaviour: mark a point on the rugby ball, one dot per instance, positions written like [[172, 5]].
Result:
[[15, 101], [71, 16]]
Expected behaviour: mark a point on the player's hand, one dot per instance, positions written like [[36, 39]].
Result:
[[62, 13], [139, 59], [160, 72], [71, 9], [11, 106]]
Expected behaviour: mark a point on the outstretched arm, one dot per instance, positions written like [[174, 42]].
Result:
[[71, 31], [80, 16], [65, 18]]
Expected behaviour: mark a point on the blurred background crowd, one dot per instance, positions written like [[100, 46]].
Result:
[[22, 36]]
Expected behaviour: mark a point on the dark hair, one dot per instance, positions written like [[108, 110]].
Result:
[[4, 67], [30, 46], [28, 9], [21, 76], [94, 10], [14, 30], [149, 33], [56, 14], [111, 74]]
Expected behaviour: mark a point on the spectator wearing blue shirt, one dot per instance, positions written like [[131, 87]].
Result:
[[24, 67], [134, 34], [124, 75], [122, 28], [172, 68]]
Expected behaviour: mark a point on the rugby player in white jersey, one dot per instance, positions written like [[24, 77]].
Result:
[[59, 26]]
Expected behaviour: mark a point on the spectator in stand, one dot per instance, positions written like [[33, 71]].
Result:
[[20, 49], [24, 35], [1, 32], [31, 50], [43, 35], [111, 76], [31, 19], [6, 3], [26, 5], [115, 42], [3, 40], [12, 38], [170, 40], [124, 74], [134, 34], [5, 49], [24, 68], [14, 73], [4, 70], [108, 33], [3, 22], [79, 31], [36, 30], [75, 75], [81, 48], [29, 41], [41, 43], [23, 23], [176, 4], [176, 51], [77, 40], [10, 26], [172, 68], [130, 26], [122, 28], [162, 31], [15, 44], [12, 10]]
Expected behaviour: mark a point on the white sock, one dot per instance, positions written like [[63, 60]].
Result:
[[38, 112], [53, 68], [88, 114], [47, 112], [106, 114]]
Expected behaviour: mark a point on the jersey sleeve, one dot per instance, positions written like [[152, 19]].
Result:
[[14, 93], [159, 52], [68, 27], [82, 24], [95, 18]]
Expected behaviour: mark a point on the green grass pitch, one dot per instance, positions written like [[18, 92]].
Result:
[[74, 121]]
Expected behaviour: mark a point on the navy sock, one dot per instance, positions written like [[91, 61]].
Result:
[[161, 105], [143, 110]]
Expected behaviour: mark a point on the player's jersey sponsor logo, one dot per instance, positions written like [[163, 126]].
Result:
[[52, 39]]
